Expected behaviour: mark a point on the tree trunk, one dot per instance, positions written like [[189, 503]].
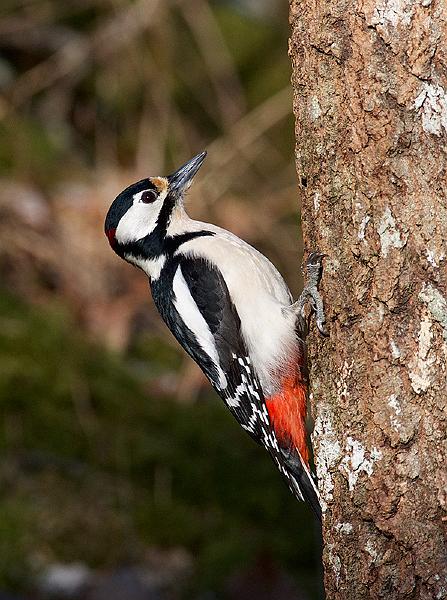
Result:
[[370, 81]]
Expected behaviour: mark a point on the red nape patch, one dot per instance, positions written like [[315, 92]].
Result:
[[287, 411], [110, 233]]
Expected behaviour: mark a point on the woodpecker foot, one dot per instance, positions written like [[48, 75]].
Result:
[[313, 270]]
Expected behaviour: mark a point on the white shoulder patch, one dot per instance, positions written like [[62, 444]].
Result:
[[193, 319]]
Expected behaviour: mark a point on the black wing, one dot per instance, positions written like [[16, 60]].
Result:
[[242, 394]]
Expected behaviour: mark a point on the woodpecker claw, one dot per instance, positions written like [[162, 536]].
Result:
[[313, 270]]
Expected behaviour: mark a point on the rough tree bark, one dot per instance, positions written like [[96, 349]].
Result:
[[370, 81]]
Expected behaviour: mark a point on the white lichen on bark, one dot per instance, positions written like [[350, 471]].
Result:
[[357, 461], [420, 366], [437, 305], [393, 13], [329, 452], [344, 528], [394, 404], [432, 103], [390, 236]]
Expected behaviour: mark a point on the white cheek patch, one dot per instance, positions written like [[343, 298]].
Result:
[[139, 221]]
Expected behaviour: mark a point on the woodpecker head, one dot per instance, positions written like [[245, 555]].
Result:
[[138, 218]]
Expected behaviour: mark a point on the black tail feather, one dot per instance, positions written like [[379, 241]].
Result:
[[300, 480]]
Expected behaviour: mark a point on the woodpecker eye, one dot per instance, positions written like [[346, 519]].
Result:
[[148, 196]]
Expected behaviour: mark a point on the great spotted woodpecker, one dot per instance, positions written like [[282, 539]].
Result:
[[231, 311]]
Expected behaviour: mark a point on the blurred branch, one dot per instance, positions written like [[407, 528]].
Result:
[[220, 64], [25, 33], [68, 7], [153, 129], [76, 55], [241, 139], [159, 105]]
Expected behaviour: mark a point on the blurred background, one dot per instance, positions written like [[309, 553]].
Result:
[[121, 474]]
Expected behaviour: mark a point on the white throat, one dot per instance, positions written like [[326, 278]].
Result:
[[151, 266]]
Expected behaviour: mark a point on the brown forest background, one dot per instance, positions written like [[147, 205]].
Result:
[[121, 475]]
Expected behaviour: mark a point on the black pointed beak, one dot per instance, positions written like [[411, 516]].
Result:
[[182, 178]]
